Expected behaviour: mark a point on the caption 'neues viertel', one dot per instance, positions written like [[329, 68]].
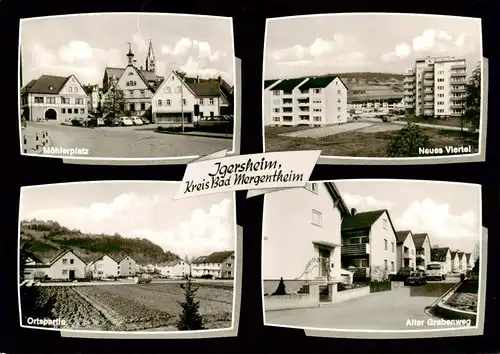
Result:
[[320, 100]]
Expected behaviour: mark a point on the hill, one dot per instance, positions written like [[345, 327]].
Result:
[[49, 238]]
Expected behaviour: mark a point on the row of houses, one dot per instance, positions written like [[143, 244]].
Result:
[[68, 265], [138, 91], [318, 238]]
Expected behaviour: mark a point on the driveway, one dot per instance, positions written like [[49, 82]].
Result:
[[130, 142], [387, 310]]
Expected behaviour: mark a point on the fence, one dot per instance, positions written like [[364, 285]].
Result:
[[35, 143]]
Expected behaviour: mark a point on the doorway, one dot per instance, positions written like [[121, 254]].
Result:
[[71, 275], [50, 114]]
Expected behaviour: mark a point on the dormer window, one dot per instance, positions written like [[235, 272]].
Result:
[[51, 88]]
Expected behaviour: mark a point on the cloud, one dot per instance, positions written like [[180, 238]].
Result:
[[206, 231], [438, 221], [366, 203], [444, 35], [140, 44], [194, 67], [132, 215], [75, 57], [425, 41], [401, 51], [186, 46], [460, 40]]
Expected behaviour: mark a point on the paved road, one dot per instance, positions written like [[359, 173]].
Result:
[[388, 310], [130, 142]]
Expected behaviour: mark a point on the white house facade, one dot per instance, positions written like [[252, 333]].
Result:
[[302, 238], [67, 265], [405, 250], [175, 269], [423, 246], [211, 265], [103, 267], [443, 255], [127, 267]]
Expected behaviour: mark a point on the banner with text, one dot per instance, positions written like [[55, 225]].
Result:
[[257, 173]]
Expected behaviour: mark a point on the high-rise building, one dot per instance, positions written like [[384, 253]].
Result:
[[436, 86]]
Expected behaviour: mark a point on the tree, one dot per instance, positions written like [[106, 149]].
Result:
[[475, 251], [281, 289], [379, 274], [114, 101], [190, 318], [407, 142], [472, 100]]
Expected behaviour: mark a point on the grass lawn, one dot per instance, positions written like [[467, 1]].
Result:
[[360, 144], [450, 122]]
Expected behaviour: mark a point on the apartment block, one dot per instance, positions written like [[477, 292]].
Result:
[[313, 101], [436, 87]]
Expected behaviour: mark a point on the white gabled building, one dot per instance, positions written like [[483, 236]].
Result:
[[178, 95], [320, 100], [103, 267], [127, 267], [67, 265]]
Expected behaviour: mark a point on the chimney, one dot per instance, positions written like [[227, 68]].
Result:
[[219, 79], [354, 211], [197, 78]]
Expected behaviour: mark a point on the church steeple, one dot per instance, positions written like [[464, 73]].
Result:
[[150, 59], [130, 55]]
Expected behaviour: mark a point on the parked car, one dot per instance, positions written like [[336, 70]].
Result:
[[416, 278], [95, 122], [143, 279], [386, 119], [126, 121], [214, 122], [145, 120], [137, 120], [404, 272], [111, 122], [436, 270]]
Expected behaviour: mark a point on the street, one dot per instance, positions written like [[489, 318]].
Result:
[[130, 142], [386, 310]]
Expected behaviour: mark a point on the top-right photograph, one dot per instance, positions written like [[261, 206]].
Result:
[[392, 88]]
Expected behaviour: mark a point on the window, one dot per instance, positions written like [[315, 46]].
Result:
[[131, 92], [167, 89], [38, 99], [64, 100], [82, 110], [339, 117], [172, 78], [358, 240], [385, 264], [70, 89], [385, 245], [276, 93], [317, 119], [338, 92], [51, 100], [201, 115], [317, 90], [71, 261], [392, 244], [79, 101], [70, 110], [275, 119], [143, 106], [167, 102], [229, 265], [317, 101], [316, 109], [229, 273], [276, 110], [130, 73], [338, 109], [211, 101], [159, 103], [64, 271], [392, 266], [64, 261], [63, 110], [142, 93], [178, 89], [316, 218], [386, 226], [131, 107]]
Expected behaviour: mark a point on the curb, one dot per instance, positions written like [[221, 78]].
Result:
[[195, 135], [440, 309]]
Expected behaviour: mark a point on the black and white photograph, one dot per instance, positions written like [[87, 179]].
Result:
[[120, 86], [373, 255], [374, 85], [115, 256]]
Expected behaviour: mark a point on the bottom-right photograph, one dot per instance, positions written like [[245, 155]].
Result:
[[375, 258]]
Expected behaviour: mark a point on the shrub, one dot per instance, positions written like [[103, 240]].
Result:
[[407, 142], [76, 122], [190, 318], [379, 274], [281, 289], [341, 287]]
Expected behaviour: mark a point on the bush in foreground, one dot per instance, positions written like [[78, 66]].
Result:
[[407, 142], [190, 318]]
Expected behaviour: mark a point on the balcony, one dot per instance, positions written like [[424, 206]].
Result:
[[429, 98], [408, 86], [458, 74], [421, 256], [428, 90], [409, 78], [429, 76], [428, 83], [360, 272], [304, 109], [409, 99], [429, 105], [355, 250], [287, 102], [456, 106], [406, 255], [457, 90], [458, 82], [458, 66], [409, 92], [303, 101], [457, 98]]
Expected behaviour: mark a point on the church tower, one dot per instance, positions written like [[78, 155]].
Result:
[[150, 59], [130, 55]]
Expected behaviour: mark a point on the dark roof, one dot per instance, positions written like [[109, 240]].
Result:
[[337, 197], [361, 220], [46, 84], [88, 89], [216, 257], [120, 258], [268, 83], [460, 255], [287, 84], [33, 257], [439, 254], [453, 254], [99, 257], [467, 256], [317, 82], [402, 235], [62, 253], [205, 89], [118, 72], [419, 239]]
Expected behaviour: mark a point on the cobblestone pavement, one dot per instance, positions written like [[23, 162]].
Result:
[[129, 142]]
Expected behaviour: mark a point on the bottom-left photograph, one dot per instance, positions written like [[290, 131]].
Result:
[[121, 256]]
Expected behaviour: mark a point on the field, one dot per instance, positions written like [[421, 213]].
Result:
[[135, 307], [359, 143]]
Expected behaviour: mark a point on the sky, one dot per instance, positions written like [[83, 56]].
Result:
[[193, 226], [448, 212], [85, 44], [315, 45]]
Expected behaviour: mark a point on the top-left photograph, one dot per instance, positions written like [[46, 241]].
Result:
[[126, 86]]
